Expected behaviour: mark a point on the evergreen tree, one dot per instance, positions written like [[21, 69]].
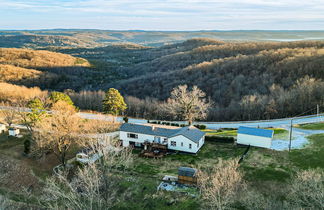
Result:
[[58, 96], [114, 102]]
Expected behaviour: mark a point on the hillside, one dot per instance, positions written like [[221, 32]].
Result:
[[41, 68], [41, 41], [80, 38], [38, 59], [239, 77], [18, 94], [245, 80], [29, 77]]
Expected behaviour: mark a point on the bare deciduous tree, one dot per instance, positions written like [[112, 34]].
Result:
[[9, 116], [93, 186], [188, 105], [221, 184], [59, 131]]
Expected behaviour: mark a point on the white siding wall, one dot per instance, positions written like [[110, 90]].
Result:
[[2, 128], [201, 142], [257, 141], [13, 132], [185, 148], [141, 138]]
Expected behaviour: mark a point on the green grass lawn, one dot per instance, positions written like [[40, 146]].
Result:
[[279, 133], [312, 156], [210, 132], [311, 126]]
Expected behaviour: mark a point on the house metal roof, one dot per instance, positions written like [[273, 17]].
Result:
[[190, 132], [255, 132]]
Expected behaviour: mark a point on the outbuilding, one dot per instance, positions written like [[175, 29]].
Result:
[[187, 175], [255, 137], [2, 128], [13, 132]]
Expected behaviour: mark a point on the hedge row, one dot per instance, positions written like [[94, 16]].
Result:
[[166, 123], [222, 139], [201, 127]]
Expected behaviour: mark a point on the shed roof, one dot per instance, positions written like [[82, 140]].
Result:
[[186, 171], [255, 132], [190, 132]]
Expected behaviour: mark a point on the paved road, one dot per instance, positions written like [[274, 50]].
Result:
[[212, 125], [217, 125]]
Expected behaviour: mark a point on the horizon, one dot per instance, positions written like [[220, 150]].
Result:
[[167, 15], [143, 30]]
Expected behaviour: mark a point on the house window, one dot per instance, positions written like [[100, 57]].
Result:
[[132, 135], [189, 146], [182, 144], [173, 143]]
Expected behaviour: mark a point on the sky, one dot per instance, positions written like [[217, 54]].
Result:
[[166, 15]]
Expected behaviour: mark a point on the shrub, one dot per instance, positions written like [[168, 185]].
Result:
[[223, 139], [306, 190], [201, 127], [27, 146]]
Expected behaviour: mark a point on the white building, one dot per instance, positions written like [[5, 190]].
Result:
[[13, 131], [254, 137], [2, 128], [186, 139]]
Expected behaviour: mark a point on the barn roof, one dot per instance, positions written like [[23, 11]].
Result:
[[255, 132], [190, 132]]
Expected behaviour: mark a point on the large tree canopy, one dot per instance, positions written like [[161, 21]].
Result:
[[188, 105]]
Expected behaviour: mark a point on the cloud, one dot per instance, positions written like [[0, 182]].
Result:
[[170, 14]]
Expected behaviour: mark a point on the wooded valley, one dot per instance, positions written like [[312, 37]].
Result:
[[244, 80]]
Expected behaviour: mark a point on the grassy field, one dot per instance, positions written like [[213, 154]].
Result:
[[279, 133], [210, 132], [311, 126], [267, 171], [312, 156]]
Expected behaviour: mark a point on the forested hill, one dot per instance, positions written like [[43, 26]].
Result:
[[41, 68], [245, 80]]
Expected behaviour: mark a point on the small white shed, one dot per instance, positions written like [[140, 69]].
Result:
[[2, 128], [13, 131], [255, 137]]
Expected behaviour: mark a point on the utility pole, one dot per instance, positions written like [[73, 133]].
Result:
[[290, 133]]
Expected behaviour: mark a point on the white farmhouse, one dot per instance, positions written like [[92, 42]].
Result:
[[186, 139], [2, 128], [254, 137]]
